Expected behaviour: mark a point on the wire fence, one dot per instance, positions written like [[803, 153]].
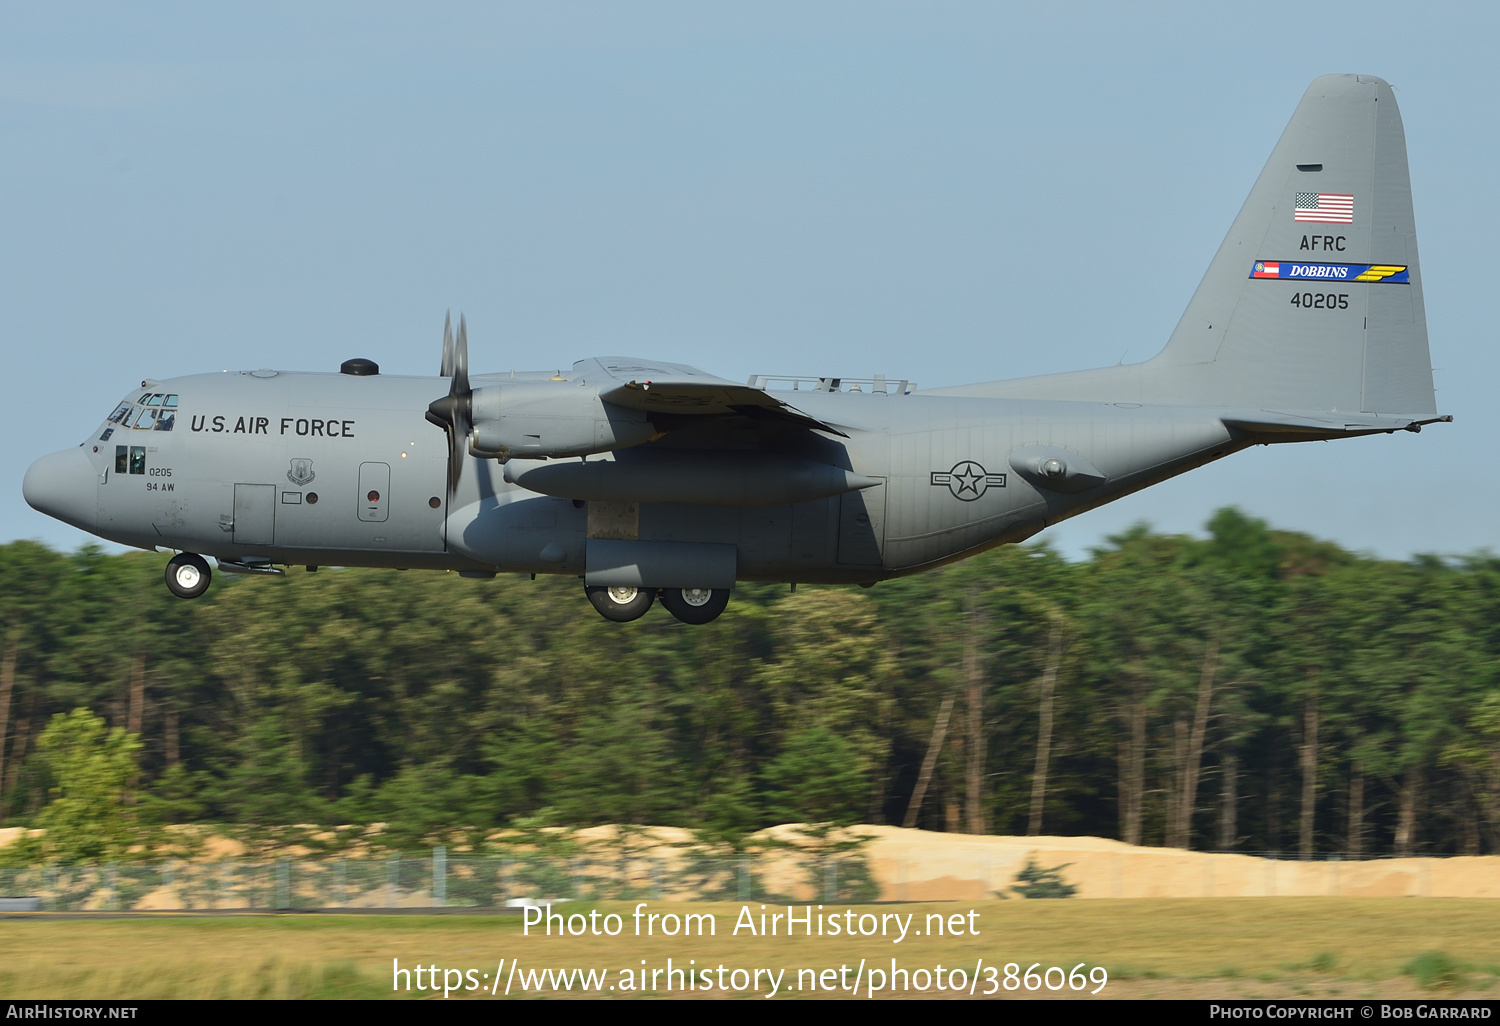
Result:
[[435, 881]]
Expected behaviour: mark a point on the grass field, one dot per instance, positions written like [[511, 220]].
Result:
[[1245, 947]]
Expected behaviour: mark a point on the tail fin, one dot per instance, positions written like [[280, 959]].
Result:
[[1314, 300]]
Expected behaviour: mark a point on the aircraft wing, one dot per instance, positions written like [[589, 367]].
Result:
[[675, 388]]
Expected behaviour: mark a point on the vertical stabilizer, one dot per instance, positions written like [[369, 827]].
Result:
[[1314, 299]]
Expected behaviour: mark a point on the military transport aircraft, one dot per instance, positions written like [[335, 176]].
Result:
[[655, 480]]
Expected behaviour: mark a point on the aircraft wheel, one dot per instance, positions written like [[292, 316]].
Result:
[[621, 604], [187, 575], [695, 605]]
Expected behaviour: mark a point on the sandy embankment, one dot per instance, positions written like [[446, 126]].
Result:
[[905, 865], [918, 865]]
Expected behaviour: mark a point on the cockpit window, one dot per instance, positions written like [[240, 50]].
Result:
[[154, 411], [156, 420]]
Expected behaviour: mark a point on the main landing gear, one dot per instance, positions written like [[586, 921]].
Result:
[[690, 605], [695, 605], [621, 604], [187, 575]]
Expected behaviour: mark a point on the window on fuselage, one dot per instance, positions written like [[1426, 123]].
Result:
[[130, 459], [121, 414]]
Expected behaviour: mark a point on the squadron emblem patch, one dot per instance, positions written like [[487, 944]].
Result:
[[967, 480], [301, 472]]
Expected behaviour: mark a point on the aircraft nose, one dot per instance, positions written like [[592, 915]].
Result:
[[64, 485]]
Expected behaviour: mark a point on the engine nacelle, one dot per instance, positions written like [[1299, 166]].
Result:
[[545, 419]]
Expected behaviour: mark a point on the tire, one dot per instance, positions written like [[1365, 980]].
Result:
[[621, 604], [187, 575], [695, 605]]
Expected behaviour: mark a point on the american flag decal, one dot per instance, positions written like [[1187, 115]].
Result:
[[1324, 207]]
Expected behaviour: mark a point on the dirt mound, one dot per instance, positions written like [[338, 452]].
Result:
[[920, 865]]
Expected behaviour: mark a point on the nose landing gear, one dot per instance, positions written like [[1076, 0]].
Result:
[[187, 575]]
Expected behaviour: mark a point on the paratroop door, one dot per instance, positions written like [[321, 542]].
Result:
[[861, 527], [254, 514]]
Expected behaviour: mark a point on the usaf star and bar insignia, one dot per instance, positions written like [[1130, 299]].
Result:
[[967, 480]]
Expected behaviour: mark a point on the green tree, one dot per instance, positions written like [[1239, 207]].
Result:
[[92, 764], [817, 779], [1035, 881], [833, 666]]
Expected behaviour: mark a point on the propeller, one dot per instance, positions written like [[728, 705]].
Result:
[[454, 411], [447, 368]]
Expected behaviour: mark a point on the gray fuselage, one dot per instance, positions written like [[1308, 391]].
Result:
[[336, 469]]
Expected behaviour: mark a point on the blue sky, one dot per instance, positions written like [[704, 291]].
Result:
[[942, 192]]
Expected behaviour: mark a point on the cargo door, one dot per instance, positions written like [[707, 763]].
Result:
[[374, 492], [254, 514]]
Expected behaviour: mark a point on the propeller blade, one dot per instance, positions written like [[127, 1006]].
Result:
[[447, 367], [461, 359], [453, 412], [458, 446]]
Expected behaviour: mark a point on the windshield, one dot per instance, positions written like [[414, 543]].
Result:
[[151, 411]]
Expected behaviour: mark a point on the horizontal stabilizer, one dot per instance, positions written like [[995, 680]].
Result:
[[1317, 425]]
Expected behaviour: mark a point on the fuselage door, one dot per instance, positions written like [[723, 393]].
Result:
[[862, 527], [254, 514], [374, 492]]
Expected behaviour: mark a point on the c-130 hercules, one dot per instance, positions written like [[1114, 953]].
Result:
[[656, 480]]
